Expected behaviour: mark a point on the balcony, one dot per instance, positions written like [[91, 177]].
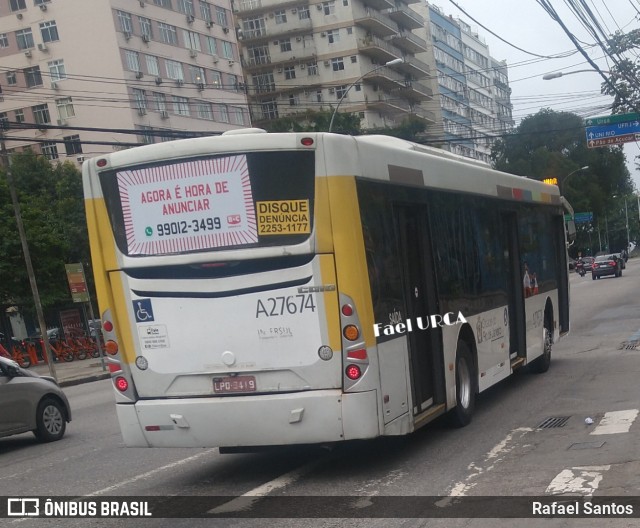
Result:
[[379, 50], [376, 23], [289, 29], [409, 42], [406, 17], [416, 91], [388, 103], [387, 78], [414, 67], [423, 114], [243, 8], [380, 4]]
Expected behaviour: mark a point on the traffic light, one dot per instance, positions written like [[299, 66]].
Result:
[[551, 181]]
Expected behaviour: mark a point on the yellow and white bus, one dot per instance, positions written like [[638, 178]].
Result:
[[271, 289]]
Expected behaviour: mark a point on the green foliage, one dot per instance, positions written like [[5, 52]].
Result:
[[315, 121], [624, 73], [51, 203], [410, 129]]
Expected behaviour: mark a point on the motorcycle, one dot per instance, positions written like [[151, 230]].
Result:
[[580, 268]]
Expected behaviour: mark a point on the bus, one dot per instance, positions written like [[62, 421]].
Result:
[[263, 289]]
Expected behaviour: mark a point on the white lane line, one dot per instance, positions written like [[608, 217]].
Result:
[[577, 480], [615, 422]]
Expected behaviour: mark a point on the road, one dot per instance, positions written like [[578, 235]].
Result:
[[502, 452]]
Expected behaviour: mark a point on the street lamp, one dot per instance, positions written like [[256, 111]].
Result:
[[556, 75], [564, 180], [390, 63]]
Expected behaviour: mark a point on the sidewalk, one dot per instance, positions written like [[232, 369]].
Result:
[[75, 372]]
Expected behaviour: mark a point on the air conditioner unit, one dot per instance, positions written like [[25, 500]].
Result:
[[193, 53], [54, 85], [43, 47], [61, 122], [225, 29], [271, 15], [279, 70], [43, 7], [200, 86], [302, 66], [142, 111], [323, 34], [298, 39], [327, 63], [127, 35], [215, 59], [158, 80], [209, 23], [19, 16], [319, 7], [232, 62], [146, 38], [294, 10], [190, 19], [27, 53], [142, 3], [164, 114], [180, 82], [80, 159], [332, 90], [275, 42], [139, 75]]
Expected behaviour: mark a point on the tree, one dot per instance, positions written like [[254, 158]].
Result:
[[410, 129], [316, 121], [51, 202], [624, 72]]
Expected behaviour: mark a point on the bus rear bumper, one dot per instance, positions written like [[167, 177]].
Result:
[[280, 419]]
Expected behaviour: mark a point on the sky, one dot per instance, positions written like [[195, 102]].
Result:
[[525, 24]]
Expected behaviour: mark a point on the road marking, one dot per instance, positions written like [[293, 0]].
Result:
[[577, 480], [615, 422]]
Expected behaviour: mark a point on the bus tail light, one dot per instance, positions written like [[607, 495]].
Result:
[[353, 372], [358, 354], [351, 332], [111, 347], [121, 383]]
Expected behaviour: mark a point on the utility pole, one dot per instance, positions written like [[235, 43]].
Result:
[[27, 256]]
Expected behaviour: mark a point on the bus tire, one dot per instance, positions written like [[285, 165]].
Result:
[[465, 387], [541, 365], [51, 421]]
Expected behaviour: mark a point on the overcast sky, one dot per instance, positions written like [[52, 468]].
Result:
[[525, 24]]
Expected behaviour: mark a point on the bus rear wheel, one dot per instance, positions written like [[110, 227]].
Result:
[[465, 387], [541, 365]]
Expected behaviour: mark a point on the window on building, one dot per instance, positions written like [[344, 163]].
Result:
[[140, 99], [159, 101], [168, 33], [40, 2], [223, 111], [146, 28], [253, 27], [191, 40], [132, 60], [329, 8], [319, 96], [24, 37], [56, 70], [269, 109], [205, 11], [227, 50], [174, 70], [259, 55], [333, 35], [12, 79], [146, 135], [294, 100], [4, 40], [125, 22], [281, 16], [163, 3], [204, 110], [49, 150], [341, 91], [17, 5], [33, 77], [303, 13], [181, 105], [72, 145], [312, 68], [4, 121], [349, 31], [290, 72], [186, 7], [237, 115], [285, 45], [221, 16], [41, 114], [337, 63], [354, 59], [211, 45], [65, 108], [49, 31], [197, 75], [264, 82], [19, 115], [216, 79], [153, 67]]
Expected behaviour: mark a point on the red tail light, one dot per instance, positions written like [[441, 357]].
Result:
[[121, 384], [357, 354], [108, 326], [353, 372]]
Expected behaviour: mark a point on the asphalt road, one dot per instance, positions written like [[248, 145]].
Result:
[[501, 453]]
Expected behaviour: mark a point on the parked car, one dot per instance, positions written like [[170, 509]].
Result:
[[606, 265], [31, 403]]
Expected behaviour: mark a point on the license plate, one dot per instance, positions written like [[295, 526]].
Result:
[[234, 384]]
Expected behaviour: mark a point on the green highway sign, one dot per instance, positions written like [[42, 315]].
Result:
[[612, 119]]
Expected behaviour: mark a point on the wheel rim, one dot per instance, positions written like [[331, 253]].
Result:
[[52, 419], [464, 383], [547, 343]]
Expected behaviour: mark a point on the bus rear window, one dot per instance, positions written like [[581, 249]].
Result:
[[228, 201]]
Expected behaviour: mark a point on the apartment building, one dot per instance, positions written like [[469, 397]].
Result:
[[160, 68], [301, 55], [473, 87]]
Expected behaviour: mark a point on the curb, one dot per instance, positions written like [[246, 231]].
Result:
[[87, 379]]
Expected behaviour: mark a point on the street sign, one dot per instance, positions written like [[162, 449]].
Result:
[[615, 129], [611, 119], [613, 140], [77, 282], [581, 218]]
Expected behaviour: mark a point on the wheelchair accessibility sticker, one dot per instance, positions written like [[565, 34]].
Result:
[[142, 310]]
